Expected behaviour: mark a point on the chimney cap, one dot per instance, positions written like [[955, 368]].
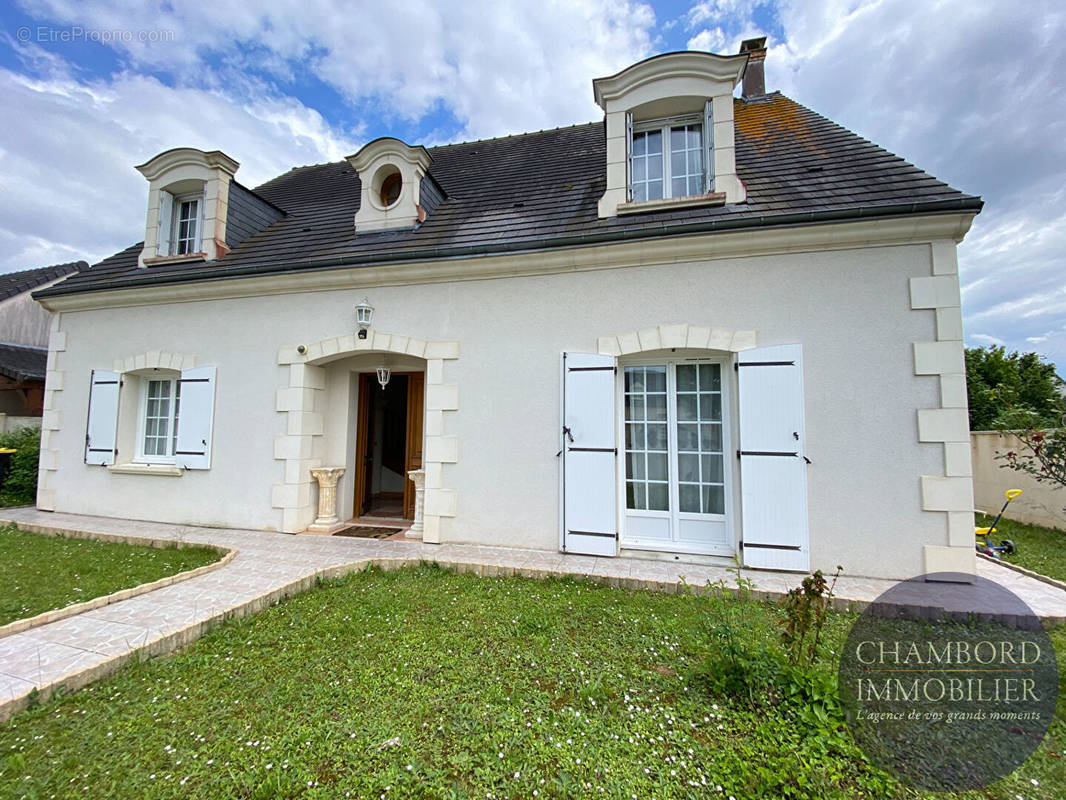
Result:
[[751, 45]]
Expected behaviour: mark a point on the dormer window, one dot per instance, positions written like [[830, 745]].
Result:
[[670, 138], [396, 189], [667, 159], [188, 205]]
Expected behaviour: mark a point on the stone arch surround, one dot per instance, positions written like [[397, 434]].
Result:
[[663, 337], [296, 495]]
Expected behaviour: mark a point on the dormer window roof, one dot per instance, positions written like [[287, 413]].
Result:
[[670, 132]]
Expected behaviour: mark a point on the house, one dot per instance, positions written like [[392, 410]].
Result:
[[24, 341], [702, 327]]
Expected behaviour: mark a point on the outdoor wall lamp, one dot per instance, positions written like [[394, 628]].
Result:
[[364, 313]]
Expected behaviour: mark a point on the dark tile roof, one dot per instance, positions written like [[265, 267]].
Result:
[[21, 362], [14, 283], [540, 190]]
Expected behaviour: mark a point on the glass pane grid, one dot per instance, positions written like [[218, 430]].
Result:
[[188, 214], [701, 484], [686, 160], [647, 440], [647, 166], [157, 419]]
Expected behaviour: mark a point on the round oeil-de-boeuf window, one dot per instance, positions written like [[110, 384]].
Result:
[[390, 189]]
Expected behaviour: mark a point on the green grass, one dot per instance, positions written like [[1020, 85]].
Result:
[[1040, 549], [426, 684], [39, 573]]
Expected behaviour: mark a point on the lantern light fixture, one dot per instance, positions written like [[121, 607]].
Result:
[[364, 314], [384, 373]]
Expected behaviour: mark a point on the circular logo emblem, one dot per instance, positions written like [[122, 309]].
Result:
[[948, 682]]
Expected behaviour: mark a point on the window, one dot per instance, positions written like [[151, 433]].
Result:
[[151, 416], [186, 238], [676, 481], [667, 159], [162, 404], [181, 222]]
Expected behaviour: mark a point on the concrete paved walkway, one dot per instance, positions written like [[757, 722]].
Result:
[[72, 652]]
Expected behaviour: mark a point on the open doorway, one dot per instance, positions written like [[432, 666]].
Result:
[[388, 444]]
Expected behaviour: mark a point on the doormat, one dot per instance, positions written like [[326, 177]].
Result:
[[365, 532]]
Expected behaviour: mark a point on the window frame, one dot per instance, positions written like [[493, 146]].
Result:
[[664, 125], [173, 418], [197, 245]]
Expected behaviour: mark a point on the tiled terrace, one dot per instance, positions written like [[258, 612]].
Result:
[[270, 566]]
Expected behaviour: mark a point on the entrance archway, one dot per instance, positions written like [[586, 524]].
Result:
[[302, 447]]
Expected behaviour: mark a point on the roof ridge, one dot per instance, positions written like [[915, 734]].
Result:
[[516, 135], [75, 265], [442, 146]]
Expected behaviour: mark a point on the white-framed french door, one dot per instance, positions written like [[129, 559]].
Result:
[[675, 477]]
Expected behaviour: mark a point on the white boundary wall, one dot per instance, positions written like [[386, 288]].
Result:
[[1040, 503]]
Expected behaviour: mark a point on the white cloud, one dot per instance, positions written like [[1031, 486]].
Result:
[[984, 338], [498, 67], [972, 93], [69, 189], [220, 76]]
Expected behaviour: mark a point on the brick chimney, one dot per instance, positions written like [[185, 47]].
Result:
[[754, 78]]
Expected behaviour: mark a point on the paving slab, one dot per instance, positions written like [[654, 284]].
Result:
[[269, 566]]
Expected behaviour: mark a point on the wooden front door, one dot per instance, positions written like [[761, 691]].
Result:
[[411, 446], [413, 459]]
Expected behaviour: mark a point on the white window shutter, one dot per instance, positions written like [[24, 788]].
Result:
[[102, 425], [590, 453], [773, 467], [166, 222], [196, 413], [708, 145], [629, 156]]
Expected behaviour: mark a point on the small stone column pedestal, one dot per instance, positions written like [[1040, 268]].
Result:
[[327, 520], [418, 478]]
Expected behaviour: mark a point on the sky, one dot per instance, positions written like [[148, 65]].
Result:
[[969, 90]]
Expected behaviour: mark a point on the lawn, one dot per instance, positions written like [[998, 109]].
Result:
[[39, 573], [422, 683], [1040, 549]]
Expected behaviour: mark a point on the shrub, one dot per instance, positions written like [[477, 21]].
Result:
[[20, 486]]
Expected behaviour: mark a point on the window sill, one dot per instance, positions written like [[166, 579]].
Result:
[[165, 470], [672, 203], [152, 261]]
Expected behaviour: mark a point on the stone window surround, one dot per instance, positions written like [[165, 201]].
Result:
[[296, 495], [949, 423]]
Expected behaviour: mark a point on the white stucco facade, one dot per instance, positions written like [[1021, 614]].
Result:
[[876, 311]]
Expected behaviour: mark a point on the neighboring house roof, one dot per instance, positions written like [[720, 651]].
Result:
[[540, 190], [21, 362], [14, 283]]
